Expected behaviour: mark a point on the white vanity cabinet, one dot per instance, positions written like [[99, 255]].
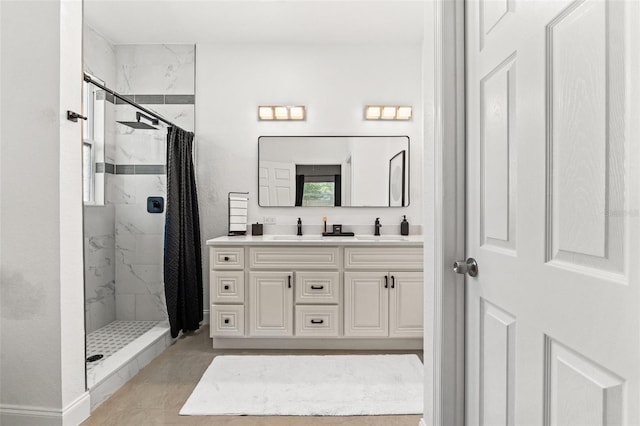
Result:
[[325, 294], [383, 304], [379, 302]]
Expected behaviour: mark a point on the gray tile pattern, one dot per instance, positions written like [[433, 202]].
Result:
[[121, 102], [105, 168], [131, 169], [125, 169], [150, 99], [101, 95], [150, 169], [112, 337], [180, 99]]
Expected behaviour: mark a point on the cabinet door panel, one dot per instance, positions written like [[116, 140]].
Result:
[[366, 305], [271, 304], [406, 304]]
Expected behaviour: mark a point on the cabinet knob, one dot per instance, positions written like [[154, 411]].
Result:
[[226, 320], [226, 258], [226, 287]]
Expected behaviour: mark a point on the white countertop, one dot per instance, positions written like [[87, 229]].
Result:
[[317, 240]]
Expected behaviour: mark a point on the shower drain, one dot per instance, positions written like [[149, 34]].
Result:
[[94, 358]]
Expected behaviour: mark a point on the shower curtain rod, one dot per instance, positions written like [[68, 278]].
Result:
[[88, 79]]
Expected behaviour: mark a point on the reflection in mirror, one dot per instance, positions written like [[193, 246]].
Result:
[[332, 171]]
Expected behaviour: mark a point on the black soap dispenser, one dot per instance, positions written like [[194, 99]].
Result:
[[404, 226]]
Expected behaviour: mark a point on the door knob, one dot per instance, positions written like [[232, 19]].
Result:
[[469, 266]]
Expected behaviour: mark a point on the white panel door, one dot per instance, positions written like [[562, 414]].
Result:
[[553, 220], [271, 304], [406, 304], [278, 180]]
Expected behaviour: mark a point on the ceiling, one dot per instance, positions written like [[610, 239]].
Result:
[[256, 21]]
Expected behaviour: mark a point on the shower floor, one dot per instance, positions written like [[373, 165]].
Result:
[[114, 336], [122, 343]]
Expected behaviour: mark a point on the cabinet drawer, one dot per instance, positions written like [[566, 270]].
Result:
[[385, 258], [227, 321], [227, 287], [293, 257], [317, 287], [316, 321], [227, 258]]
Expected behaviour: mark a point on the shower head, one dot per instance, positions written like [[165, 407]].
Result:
[[140, 125], [137, 125]]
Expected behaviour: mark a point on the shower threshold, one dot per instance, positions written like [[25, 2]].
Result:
[[126, 347]]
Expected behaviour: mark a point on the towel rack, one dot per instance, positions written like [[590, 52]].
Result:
[[238, 205]]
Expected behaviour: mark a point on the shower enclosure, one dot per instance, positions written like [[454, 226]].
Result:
[[128, 105]]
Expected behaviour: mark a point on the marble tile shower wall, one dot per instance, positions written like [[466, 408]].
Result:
[[99, 252], [99, 220], [139, 236]]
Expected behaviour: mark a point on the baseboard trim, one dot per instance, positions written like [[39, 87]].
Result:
[[73, 414], [78, 411], [422, 423], [206, 317], [310, 343]]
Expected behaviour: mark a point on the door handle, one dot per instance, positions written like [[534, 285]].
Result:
[[393, 281], [313, 321], [289, 281], [317, 287], [469, 266], [386, 281]]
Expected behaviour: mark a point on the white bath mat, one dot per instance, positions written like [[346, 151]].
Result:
[[340, 385]]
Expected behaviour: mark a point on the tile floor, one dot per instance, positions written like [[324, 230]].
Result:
[[156, 394], [114, 336]]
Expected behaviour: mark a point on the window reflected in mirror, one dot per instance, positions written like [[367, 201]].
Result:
[[333, 171]]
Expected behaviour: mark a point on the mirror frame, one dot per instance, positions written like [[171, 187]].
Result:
[[407, 165]]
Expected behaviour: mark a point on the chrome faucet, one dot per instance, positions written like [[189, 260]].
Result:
[[299, 227], [378, 225]]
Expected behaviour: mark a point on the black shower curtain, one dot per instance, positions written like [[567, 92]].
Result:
[[182, 256]]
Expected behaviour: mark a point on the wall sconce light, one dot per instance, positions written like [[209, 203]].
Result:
[[387, 112], [282, 112]]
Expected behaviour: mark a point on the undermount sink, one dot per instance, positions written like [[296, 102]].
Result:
[[381, 238]]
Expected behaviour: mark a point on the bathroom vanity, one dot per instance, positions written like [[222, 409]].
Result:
[[312, 292]]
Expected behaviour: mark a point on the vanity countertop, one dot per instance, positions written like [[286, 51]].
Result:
[[317, 240]]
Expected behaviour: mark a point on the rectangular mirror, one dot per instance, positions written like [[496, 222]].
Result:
[[333, 171]]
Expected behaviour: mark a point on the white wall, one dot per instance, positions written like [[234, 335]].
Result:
[[333, 81], [41, 304]]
